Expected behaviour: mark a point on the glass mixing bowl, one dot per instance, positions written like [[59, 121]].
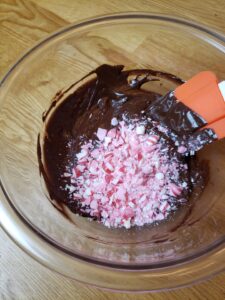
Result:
[[151, 258]]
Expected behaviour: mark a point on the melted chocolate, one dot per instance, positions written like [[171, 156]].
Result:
[[112, 94], [182, 122]]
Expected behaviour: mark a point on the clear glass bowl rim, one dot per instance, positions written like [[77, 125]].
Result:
[[44, 250]]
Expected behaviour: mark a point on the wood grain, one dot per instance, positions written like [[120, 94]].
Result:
[[208, 12], [22, 24]]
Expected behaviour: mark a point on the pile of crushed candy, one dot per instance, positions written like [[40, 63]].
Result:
[[126, 176]]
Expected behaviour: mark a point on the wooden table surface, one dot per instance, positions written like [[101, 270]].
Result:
[[23, 23]]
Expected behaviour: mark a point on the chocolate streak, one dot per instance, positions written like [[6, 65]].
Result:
[[93, 105]]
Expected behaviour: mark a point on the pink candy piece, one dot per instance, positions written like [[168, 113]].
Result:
[[126, 180], [112, 133], [181, 149], [175, 190], [94, 204], [153, 139]]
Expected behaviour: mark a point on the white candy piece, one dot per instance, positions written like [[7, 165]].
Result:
[[127, 224], [159, 176], [184, 184], [114, 122], [82, 154], [140, 129]]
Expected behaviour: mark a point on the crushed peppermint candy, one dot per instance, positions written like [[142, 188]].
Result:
[[128, 177], [114, 122], [182, 149]]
